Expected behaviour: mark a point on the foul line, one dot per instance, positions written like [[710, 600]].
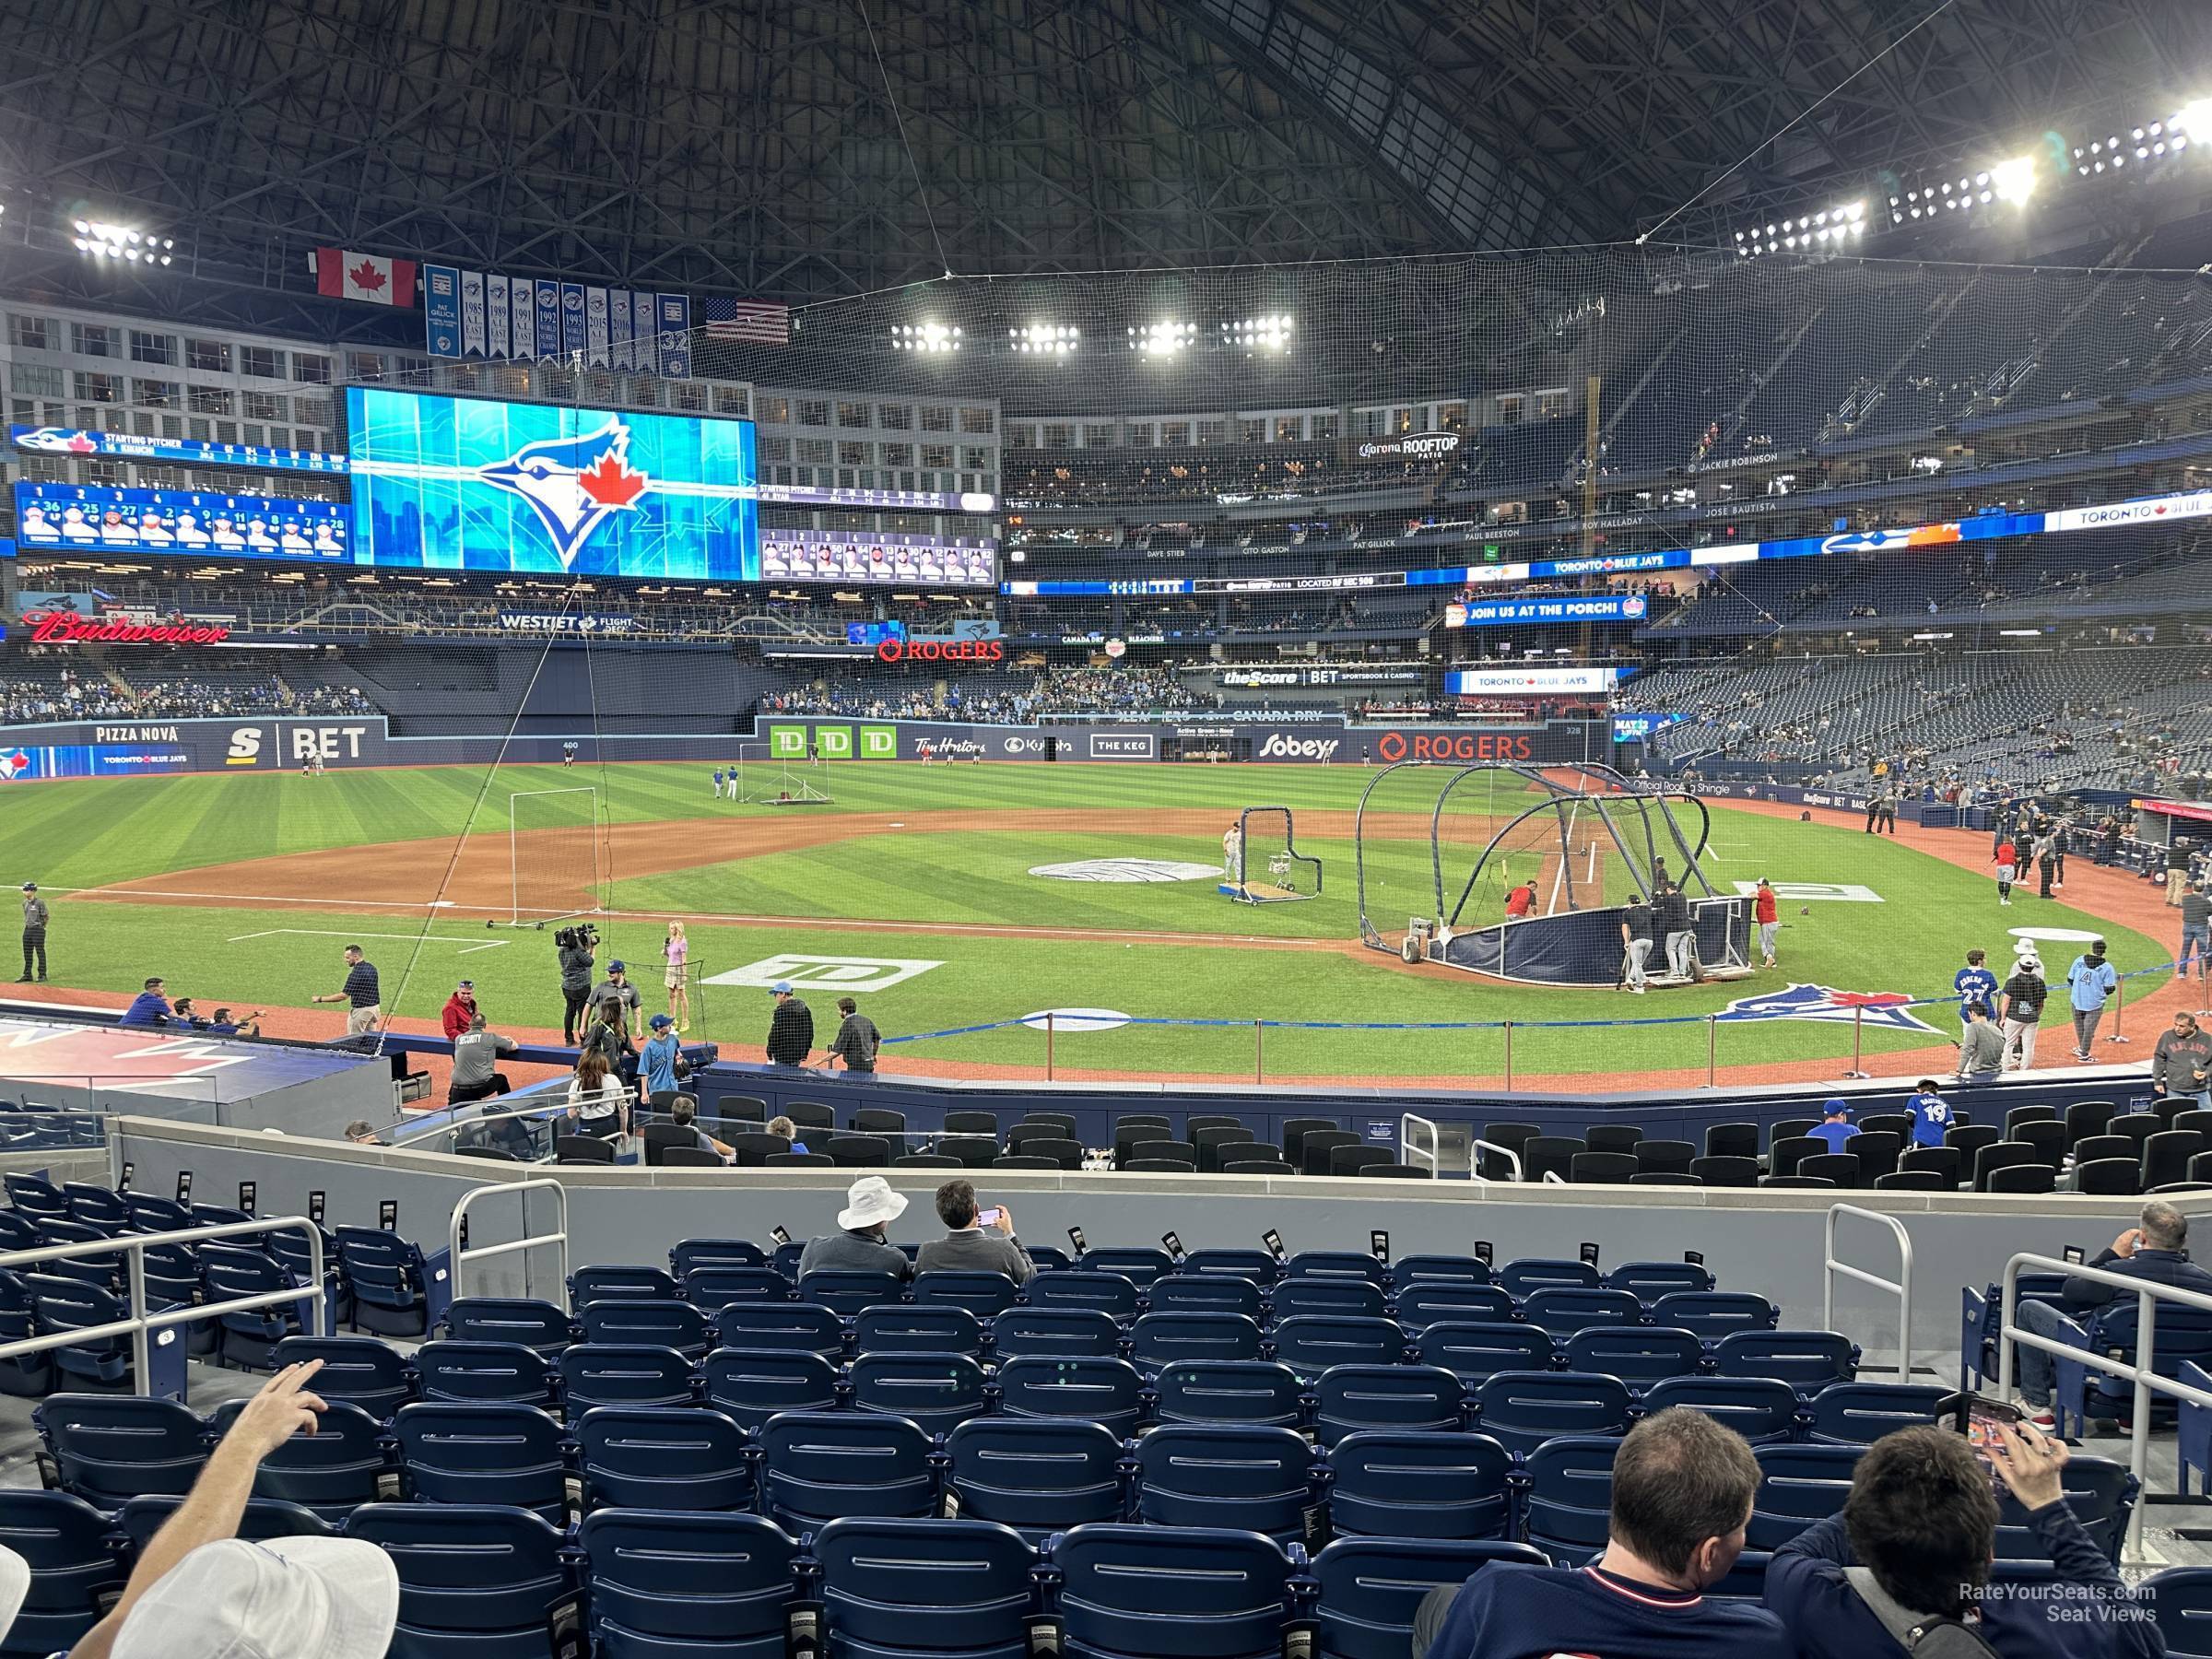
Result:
[[332, 932]]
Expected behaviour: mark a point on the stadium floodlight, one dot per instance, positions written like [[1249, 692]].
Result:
[[1048, 339], [98, 239], [1826, 227], [924, 337], [1163, 338], [2014, 179], [1258, 333]]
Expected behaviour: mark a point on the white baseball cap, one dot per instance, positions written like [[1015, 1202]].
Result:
[[332, 1598], [868, 1201]]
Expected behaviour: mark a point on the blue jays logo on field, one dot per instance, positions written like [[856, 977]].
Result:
[[1890, 1010], [573, 485]]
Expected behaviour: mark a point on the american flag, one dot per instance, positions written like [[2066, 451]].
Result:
[[747, 321]]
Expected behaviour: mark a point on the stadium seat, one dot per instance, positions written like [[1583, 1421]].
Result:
[[1613, 1138], [1764, 1411], [1399, 1483], [1649, 1178], [596, 1374], [1912, 1181], [1549, 1154], [1063, 1120], [1161, 1166], [1797, 1486], [2084, 1119], [1129, 1132], [1601, 1169], [346, 1463], [1350, 1399], [750, 1148], [1357, 1159], [262, 1519], [1945, 1163], [1295, 1131], [1858, 1414], [1648, 1281], [1212, 1142], [986, 1295], [846, 1293], [1310, 1343], [701, 1157], [1057, 1154], [2112, 1177], [1725, 1170], [1037, 1476], [925, 1160], [922, 1328], [1732, 1140], [465, 1452], [2048, 1138], [2167, 1154], [1876, 1152], [1370, 1589], [574, 1150], [1525, 1276], [876, 1119], [1665, 1157], [1789, 1129], [662, 1457], [1228, 1390], [691, 1255], [1563, 1310], [1159, 1339], [1106, 1391], [678, 1325], [1342, 1297], [1207, 1293], [666, 1585], [803, 1326], [2093, 1148], [753, 1385], [96, 1206], [109, 1449], [1259, 1479], [1828, 1183], [1186, 1593], [247, 1337], [1272, 1166], [1051, 1332], [1569, 1494], [2023, 1178], [77, 1568], [472, 1579], [937, 1392], [2000, 1155], [859, 1151], [971, 1123], [1474, 1349], [1256, 1266], [538, 1325], [359, 1371], [1970, 1138], [1521, 1409], [909, 1589], [617, 1284], [396, 1291], [1320, 1146], [1425, 1301], [1842, 1168], [1639, 1355], [1339, 1265], [1899, 1123], [34, 1197], [1510, 1137], [2101, 1493], [1807, 1360], [2180, 1600], [1786, 1154], [1112, 1293], [972, 1151], [819, 1466], [1411, 1270]]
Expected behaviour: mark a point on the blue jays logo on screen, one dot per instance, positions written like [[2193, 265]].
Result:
[[1890, 1010], [450, 483]]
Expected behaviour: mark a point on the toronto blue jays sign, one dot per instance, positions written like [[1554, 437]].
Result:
[[1887, 1010]]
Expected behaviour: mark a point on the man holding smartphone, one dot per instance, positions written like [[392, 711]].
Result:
[[976, 1239]]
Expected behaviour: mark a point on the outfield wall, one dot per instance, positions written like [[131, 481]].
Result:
[[248, 744]]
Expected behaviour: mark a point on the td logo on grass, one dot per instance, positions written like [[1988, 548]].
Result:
[[827, 973]]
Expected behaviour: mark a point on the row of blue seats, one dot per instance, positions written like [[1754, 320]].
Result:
[[2181, 1340]]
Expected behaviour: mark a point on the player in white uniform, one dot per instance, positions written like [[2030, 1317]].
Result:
[[1232, 851]]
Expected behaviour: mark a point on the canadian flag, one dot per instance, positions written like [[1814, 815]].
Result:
[[343, 274]]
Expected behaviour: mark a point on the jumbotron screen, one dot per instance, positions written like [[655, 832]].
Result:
[[468, 483]]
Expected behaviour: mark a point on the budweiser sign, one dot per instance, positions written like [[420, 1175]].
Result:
[[62, 628]]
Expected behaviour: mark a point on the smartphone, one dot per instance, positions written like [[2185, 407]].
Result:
[[1378, 1243], [1975, 1415], [387, 1214], [318, 1202], [247, 1191], [988, 1217], [2073, 1253], [183, 1186], [1274, 1240], [779, 1235], [1173, 1244], [1589, 1254], [1075, 1237], [122, 1183]]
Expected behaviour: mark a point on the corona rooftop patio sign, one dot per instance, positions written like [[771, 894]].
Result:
[[62, 628]]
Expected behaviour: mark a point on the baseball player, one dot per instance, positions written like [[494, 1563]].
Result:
[[1232, 851]]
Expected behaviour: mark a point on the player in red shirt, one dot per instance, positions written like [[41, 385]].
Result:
[[1768, 917], [1521, 900], [2008, 863]]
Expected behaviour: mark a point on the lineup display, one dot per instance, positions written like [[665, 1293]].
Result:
[[93, 519], [882, 557], [468, 483]]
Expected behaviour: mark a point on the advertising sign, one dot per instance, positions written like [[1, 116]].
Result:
[[1501, 612], [584, 622], [1510, 682]]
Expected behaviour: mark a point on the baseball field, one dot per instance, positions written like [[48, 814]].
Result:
[[954, 896]]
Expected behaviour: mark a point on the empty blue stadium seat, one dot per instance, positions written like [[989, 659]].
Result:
[[175, 1279], [708, 1288], [359, 1371], [1257, 1266], [1639, 1355], [484, 1370], [34, 1197], [96, 1206], [2101, 1492], [1348, 1398], [612, 1373], [1570, 1493], [662, 1457], [397, 1291], [1648, 1281], [346, 1463], [1858, 1414], [473, 1580], [101, 1269], [1564, 1309], [1103, 1391], [1329, 1296], [1531, 1274], [1762, 1409], [1523, 1408], [1352, 1265], [937, 1391], [1036, 1475], [1474, 1349], [1410, 1270], [671, 1586], [2181, 1336], [692, 1253], [1139, 1264], [922, 1589], [463, 1453], [1397, 1483], [753, 1385], [1055, 1334], [2180, 1599], [770, 1327], [818, 1467], [287, 1247], [1160, 1339], [920, 1328], [1370, 1588], [28, 1376], [1108, 1293], [1261, 1479], [152, 1213], [847, 1293], [1207, 1293], [249, 1337], [58, 1305], [111, 1448], [1434, 1302], [1797, 1486], [1228, 1390], [1807, 1360], [986, 1295], [76, 1568], [1187, 1593], [678, 1325], [538, 1325], [1713, 1314], [616, 1284], [1312, 1343], [785, 1258], [262, 1518]]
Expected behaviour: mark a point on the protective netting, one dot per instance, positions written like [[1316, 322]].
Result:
[[557, 853]]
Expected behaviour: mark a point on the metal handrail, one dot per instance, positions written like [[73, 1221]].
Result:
[[1478, 1146], [1901, 1286], [462, 1257], [1407, 1150], [2140, 1373], [140, 1322]]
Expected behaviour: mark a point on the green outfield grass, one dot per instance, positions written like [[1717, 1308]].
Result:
[[86, 834]]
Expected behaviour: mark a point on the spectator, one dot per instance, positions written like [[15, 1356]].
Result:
[[150, 1007], [856, 1041], [359, 993], [2025, 997], [789, 1131], [966, 1246], [362, 1133], [1682, 1489], [460, 1008], [1914, 1546], [2197, 937], [476, 1054], [607, 1036], [2090, 983], [2180, 1066], [1769, 916], [199, 1591], [684, 1114], [1981, 1046], [1930, 1114], [790, 1032], [1835, 1126], [1636, 940], [661, 1064], [2156, 1251], [871, 1204], [575, 985], [1974, 982], [598, 1101]]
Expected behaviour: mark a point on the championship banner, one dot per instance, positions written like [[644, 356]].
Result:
[[441, 310], [675, 337], [501, 318], [471, 314], [495, 316]]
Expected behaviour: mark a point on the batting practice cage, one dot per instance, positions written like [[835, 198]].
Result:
[[1523, 873], [767, 774], [1267, 866], [555, 855]]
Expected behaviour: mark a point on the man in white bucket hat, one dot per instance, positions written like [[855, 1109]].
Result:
[[870, 1206], [199, 1591]]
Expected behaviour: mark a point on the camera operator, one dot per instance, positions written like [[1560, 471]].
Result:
[[576, 959]]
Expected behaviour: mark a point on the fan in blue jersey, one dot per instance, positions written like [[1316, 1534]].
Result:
[[1975, 984], [1930, 1114]]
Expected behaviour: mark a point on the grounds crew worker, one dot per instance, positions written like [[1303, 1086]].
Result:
[[34, 931]]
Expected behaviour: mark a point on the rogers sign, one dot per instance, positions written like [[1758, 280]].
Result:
[[1455, 746], [941, 651], [61, 627]]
